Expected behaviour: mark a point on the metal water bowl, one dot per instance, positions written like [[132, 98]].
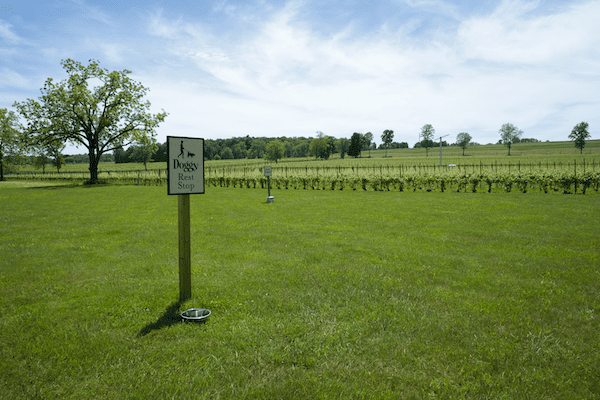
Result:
[[195, 314]]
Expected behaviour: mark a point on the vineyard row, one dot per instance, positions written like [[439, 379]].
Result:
[[407, 169], [359, 170], [467, 182]]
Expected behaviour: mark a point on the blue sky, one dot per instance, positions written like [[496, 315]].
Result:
[[290, 68]]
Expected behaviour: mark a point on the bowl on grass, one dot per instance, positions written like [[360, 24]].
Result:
[[195, 315]]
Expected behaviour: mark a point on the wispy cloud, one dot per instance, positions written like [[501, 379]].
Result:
[[262, 69], [511, 35], [113, 52], [93, 12], [434, 6], [10, 38]]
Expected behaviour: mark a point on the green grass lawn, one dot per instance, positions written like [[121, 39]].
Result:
[[321, 294]]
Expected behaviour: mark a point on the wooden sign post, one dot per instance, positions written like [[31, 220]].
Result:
[[185, 177], [185, 253]]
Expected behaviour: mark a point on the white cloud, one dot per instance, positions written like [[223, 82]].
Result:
[[113, 51], [7, 34], [93, 12], [10, 37], [285, 78], [11, 78], [435, 6], [508, 35], [160, 27]]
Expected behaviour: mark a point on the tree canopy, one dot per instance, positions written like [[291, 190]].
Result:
[[257, 149], [102, 119], [11, 143], [367, 139], [356, 142], [509, 134], [343, 145], [462, 140], [427, 133], [387, 137], [145, 147], [579, 134], [322, 146], [275, 151]]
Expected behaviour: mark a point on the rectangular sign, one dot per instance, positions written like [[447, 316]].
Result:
[[185, 165], [267, 171]]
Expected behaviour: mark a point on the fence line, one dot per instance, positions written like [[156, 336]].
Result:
[[563, 181], [401, 169], [419, 169]]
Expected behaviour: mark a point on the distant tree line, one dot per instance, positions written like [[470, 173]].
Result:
[[85, 158], [320, 147]]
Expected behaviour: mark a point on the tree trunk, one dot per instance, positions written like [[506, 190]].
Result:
[[1, 168], [94, 158]]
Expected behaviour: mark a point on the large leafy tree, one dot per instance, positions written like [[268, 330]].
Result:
[[54, 151], [275, 151], [257, 149], [355, 144], [301, 149], [120, 156], [367, 139], [226, 153], [160, 155], [11, 144], [239, 150], [427, 133], [322, 146], [510, 134], [103, 118], [330, 146], [462, 140], [144, 149], [343, 145], [387, 137], [579, 134], [40, 157]]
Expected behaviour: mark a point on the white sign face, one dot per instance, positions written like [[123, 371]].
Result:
[[185, 165], [267, 171]]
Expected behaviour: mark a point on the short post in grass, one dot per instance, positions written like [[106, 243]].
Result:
[[267, 171], [185, 176]]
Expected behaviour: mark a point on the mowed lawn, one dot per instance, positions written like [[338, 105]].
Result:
[[321, 294]]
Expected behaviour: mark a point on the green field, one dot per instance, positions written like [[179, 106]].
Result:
[[548, 155], [321, 294], [551, 167]]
